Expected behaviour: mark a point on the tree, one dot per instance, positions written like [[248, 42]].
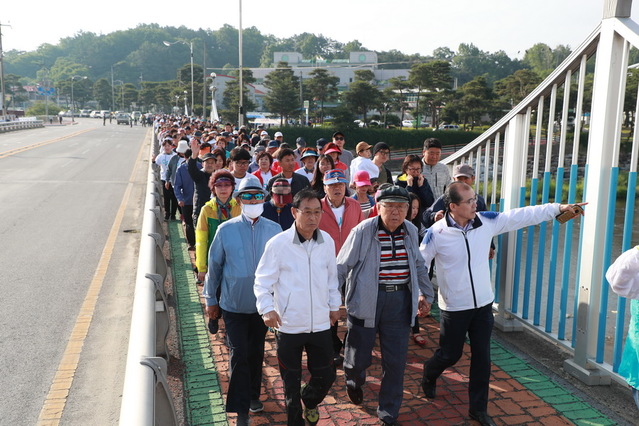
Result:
[[323, 87], [102, 92], [231, 95], [364, 75], [15, 89], [443, 53], [283, 95], [473, 100], [433, 77], [353, 46], [540, 59], [343, 117], [396, 95], [517, 86], [361, 97], [40, 108]]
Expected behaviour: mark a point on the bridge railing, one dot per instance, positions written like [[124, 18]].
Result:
[[551, 277], [146, 399], [10, 126]]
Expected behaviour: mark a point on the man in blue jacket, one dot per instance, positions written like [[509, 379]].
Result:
[[233, 258], [184, 190]]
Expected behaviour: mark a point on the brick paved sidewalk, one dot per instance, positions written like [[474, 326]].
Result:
[[519, 394]]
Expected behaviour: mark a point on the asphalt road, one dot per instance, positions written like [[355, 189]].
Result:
[[58, 201]]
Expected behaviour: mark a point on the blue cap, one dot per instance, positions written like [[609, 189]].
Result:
[[334, 176]]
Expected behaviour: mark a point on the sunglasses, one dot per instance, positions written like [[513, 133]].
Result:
[[339, 138], [246, 196]]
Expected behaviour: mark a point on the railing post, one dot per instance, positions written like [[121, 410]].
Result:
[[515, 151], [607, 105]]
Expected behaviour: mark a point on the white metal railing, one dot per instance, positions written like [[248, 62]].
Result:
[[9, 126], [551, 277], [146, 398]]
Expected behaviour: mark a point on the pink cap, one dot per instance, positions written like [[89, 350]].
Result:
[[362, 178]]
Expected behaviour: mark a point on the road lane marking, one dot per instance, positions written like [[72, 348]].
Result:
[[39, 144], [56, 399]]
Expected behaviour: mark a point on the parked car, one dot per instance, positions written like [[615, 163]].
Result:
[[104, 113], [407, 123], [123, 118], [448, 127], [85, 112], [95, 114]]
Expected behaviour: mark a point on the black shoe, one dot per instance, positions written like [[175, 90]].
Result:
[[429, 387], [256, 406], [482, 417], [356, 395], [388, 422], [338, 360]]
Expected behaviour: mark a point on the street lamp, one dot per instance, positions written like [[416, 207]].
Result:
[[72, 101], [240, 121], [214, 115], [186, 112], [190, 44]]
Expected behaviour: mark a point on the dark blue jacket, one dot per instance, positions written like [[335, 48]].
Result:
[[184, 187], [283, 215]]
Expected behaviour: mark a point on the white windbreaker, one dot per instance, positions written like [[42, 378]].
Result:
[[298, 281], [461, 258]]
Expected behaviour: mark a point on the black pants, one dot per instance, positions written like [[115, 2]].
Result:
[[170, 202], [319, 353], [187, 217], [245, 337], [478, 323]]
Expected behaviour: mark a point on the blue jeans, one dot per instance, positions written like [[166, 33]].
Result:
[[392, 323]]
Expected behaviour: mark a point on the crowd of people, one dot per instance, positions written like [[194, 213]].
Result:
[[284, 234]]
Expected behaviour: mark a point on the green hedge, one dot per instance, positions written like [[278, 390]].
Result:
[[395, 138]]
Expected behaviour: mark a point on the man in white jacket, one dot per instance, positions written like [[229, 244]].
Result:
[[460, 244], [297, 294]]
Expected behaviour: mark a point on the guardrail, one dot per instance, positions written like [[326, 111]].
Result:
[[146, 398], [10, 126]]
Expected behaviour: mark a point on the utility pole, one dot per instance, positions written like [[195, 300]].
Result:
[[204, 80], [240, 121], [2, 85]]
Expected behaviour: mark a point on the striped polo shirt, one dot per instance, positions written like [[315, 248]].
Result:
[[393, 265]]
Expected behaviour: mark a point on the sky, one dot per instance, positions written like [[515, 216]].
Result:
[[410, 26]]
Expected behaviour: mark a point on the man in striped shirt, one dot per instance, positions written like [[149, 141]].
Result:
[[386, 285]]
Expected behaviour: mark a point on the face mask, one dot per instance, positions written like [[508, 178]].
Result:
[[252, 211]]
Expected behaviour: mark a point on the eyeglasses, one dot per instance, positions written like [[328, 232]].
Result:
[[414, 169], [469, 201], [248, 196], [309, 212], [242, 163], [384, 152], [395, 207], [338, 138]]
